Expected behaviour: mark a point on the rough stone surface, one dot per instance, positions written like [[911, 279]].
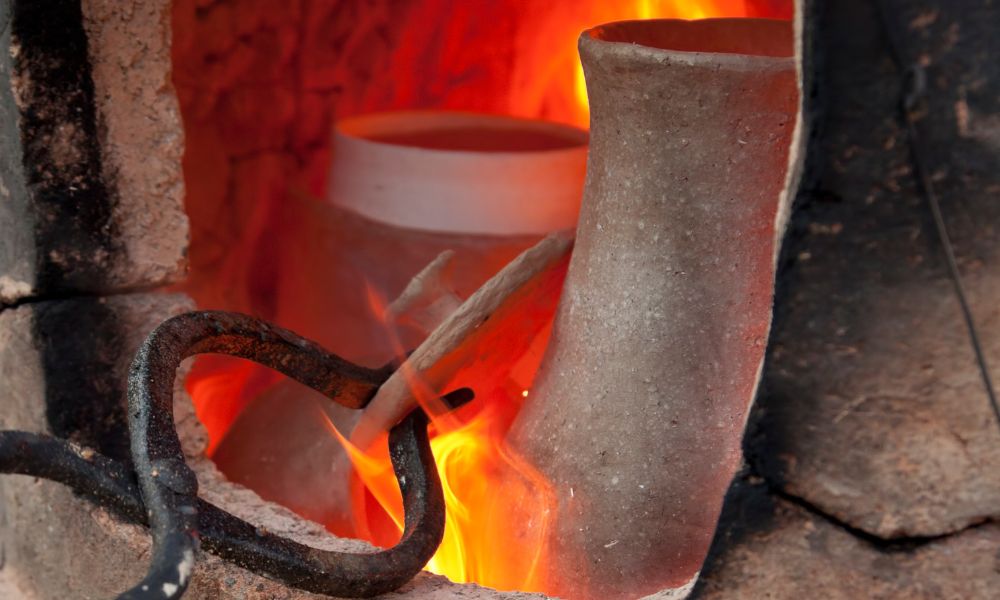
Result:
[[769, 548], [638, 410], [872, 407], [142, 138], [73, 223], [71, 380], [17, 250], [118, 552]]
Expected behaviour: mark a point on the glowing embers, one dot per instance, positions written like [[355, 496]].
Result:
[[520, 58], [285, 445], [488, 202], [498, 507]]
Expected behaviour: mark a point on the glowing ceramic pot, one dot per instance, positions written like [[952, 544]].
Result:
[[404, 187]]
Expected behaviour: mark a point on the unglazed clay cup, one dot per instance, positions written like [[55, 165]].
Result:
[[639, 407]]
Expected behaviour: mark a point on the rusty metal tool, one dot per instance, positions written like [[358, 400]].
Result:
[[162, 491]]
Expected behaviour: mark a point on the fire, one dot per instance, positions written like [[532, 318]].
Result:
[[507, 56], [604, 12], [498, 506], [220, 388], [474, 464], [495, 539]]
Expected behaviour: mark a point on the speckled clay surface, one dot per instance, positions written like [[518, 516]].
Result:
[[641, 402]]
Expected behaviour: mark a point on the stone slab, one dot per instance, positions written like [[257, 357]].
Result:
[[872, 407], [769, 548], [90, 174]]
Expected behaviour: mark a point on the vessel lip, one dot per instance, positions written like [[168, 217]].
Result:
[[593, 38], [363, 130]]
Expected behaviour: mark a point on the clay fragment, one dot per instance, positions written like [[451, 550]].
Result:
[[429, 298], [479, 332]]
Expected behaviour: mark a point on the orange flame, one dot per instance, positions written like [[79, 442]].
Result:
[[491, 538], [220, 388], [474, 464], [665, 9], [498, 507]]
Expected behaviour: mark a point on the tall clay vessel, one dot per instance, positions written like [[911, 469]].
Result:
[[639, 408]]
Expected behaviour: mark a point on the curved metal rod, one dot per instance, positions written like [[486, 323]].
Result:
[[169, 487], [112, 484], [103, 481]]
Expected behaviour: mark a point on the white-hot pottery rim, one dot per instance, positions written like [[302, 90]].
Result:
[[459, 172]]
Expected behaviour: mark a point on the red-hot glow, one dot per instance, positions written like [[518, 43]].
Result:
[[604, 12], [520, 58], [490, 494], [498, 506], [221, 388], [259, 93]]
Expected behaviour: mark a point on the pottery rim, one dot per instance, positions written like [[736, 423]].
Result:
[[509, 176], [724, 42]]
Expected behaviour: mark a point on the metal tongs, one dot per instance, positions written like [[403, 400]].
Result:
[[163, 491]]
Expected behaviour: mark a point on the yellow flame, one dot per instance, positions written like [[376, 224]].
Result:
[[647, 9], [489, 492], [489, 495], [499, 508]]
